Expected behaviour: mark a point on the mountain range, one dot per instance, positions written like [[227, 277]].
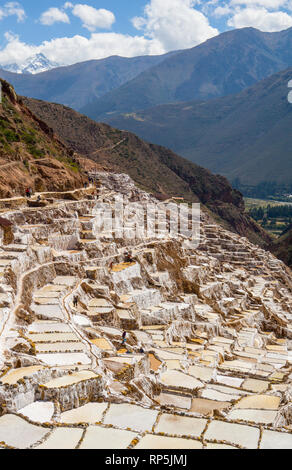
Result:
[[77, 85], [246, 136], [221, 66]]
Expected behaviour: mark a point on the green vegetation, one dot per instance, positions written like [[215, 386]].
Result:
[[274, 218]]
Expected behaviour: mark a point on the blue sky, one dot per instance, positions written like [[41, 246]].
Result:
[[68, 32]]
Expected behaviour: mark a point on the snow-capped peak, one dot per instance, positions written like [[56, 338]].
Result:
[[35, 64]]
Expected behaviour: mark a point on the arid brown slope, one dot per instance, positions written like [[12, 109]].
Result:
[[154, 168], [30, 152]]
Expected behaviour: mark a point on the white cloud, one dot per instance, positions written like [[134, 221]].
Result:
[[274, 4], [54, 15], [11, 9], [174, 23], [92, 18], [261, 19], [67, 51]]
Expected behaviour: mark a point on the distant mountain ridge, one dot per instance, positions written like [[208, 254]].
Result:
[[33, 65], [246, 136], [223, 65], [77, 85]]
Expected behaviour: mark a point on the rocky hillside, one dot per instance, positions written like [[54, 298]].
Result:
[[154, 168], [30, 153]]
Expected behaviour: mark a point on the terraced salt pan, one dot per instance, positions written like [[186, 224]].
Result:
[[239, 434], [64, 359], [126, 359], [52, 337], [110, 331], [14, 375], [172, 364], [16, 432], [102, 343], [204, 406], [162, 442], [180, 425], [232, 381], [254, 416], [266, 402], [46, 301], [90, 413], [68, 281], [212, 394], [164, 355], [99, 303], [39, 411], [64, 346], [81, 320], [276, 440], [49, 311], [97, 437], [131, 416], [49, 327], [72, 379], [51, 288], [47, 295], [173, 400], [176, 379], [256, 386], [62, 438], [201, 373]]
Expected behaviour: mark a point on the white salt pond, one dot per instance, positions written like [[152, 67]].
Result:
[[71, 379], [52, 337], [62, 438], [162, 442], [245, 436], [212, 394], [180, 425], [176, 379], [266, 402], [48, 327], [227, 380], [97, 437], [81, 320], [131, 416], [177, 401], [18, 433], [60, 347], [255, 386], [254, 416], [14, 375], [67, 281], [39, 412], [90, 413], [201, 373], [276, 440], [64, 359], [49, 311]]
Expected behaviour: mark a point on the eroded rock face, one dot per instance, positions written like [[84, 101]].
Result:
[[207, 326]]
